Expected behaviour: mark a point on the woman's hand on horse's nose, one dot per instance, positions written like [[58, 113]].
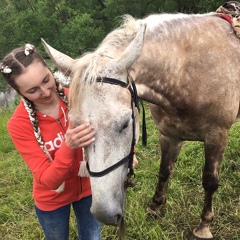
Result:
[[80, 136]]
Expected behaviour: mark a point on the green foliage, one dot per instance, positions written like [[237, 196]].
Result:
[[6, 145], [77, 26], [3, 84]]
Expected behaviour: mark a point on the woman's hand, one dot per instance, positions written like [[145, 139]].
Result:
[[80, 136]]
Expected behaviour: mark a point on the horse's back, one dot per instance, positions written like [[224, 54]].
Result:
[[189, 69]]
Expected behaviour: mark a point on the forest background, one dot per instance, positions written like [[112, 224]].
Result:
[[77, 26]]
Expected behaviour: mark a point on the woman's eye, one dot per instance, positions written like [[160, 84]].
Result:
[[33, 90], [46, 80]]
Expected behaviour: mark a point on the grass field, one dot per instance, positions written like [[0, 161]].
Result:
[[185, 193]]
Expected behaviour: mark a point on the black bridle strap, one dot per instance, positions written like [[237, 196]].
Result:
[[111, 168], [136, 100], [112, 81], [144, 127], [129, 157]]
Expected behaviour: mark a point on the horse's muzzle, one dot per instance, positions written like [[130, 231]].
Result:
[[108, 217]]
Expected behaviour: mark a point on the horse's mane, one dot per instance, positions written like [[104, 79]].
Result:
[[86, 68]]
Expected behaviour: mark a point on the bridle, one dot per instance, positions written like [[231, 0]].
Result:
[[135, 100], [129, 158]]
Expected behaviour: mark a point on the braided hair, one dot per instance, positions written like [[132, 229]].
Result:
[[13, 66]]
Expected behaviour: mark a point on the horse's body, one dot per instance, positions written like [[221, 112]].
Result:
[[188, 71]]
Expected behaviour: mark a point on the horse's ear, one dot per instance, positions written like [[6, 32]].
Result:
[[62, 61], [133, 51]]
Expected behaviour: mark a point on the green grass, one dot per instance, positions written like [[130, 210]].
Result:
[[181, 213]]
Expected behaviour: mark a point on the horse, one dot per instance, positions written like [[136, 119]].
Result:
[[186, 67]]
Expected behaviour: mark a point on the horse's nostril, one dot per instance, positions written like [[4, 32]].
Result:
[[118, 219]]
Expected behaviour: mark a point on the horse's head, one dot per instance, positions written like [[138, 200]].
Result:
[[110, 107]]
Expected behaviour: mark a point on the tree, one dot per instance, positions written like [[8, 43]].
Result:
[[74, 26]]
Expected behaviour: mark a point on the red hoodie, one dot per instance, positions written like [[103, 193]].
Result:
[[47, 175]]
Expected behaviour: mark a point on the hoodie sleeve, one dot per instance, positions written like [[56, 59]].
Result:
[[50, 174]]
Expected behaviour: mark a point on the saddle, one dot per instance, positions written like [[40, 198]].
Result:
[[232, 10]]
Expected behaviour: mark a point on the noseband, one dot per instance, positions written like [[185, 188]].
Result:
[[134, 102]]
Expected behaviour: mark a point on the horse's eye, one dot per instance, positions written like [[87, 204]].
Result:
[[124, 126]]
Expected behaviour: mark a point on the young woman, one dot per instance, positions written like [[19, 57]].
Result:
[[51, 145]]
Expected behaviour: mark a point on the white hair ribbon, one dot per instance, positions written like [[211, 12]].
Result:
[[28, 49], [6, 69]]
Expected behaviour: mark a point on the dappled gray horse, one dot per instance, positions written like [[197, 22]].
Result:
[[187, 67]]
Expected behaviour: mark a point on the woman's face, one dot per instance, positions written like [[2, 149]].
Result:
[[37, 84]]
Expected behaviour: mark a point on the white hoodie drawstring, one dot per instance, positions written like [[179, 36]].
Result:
[[65, 117]]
